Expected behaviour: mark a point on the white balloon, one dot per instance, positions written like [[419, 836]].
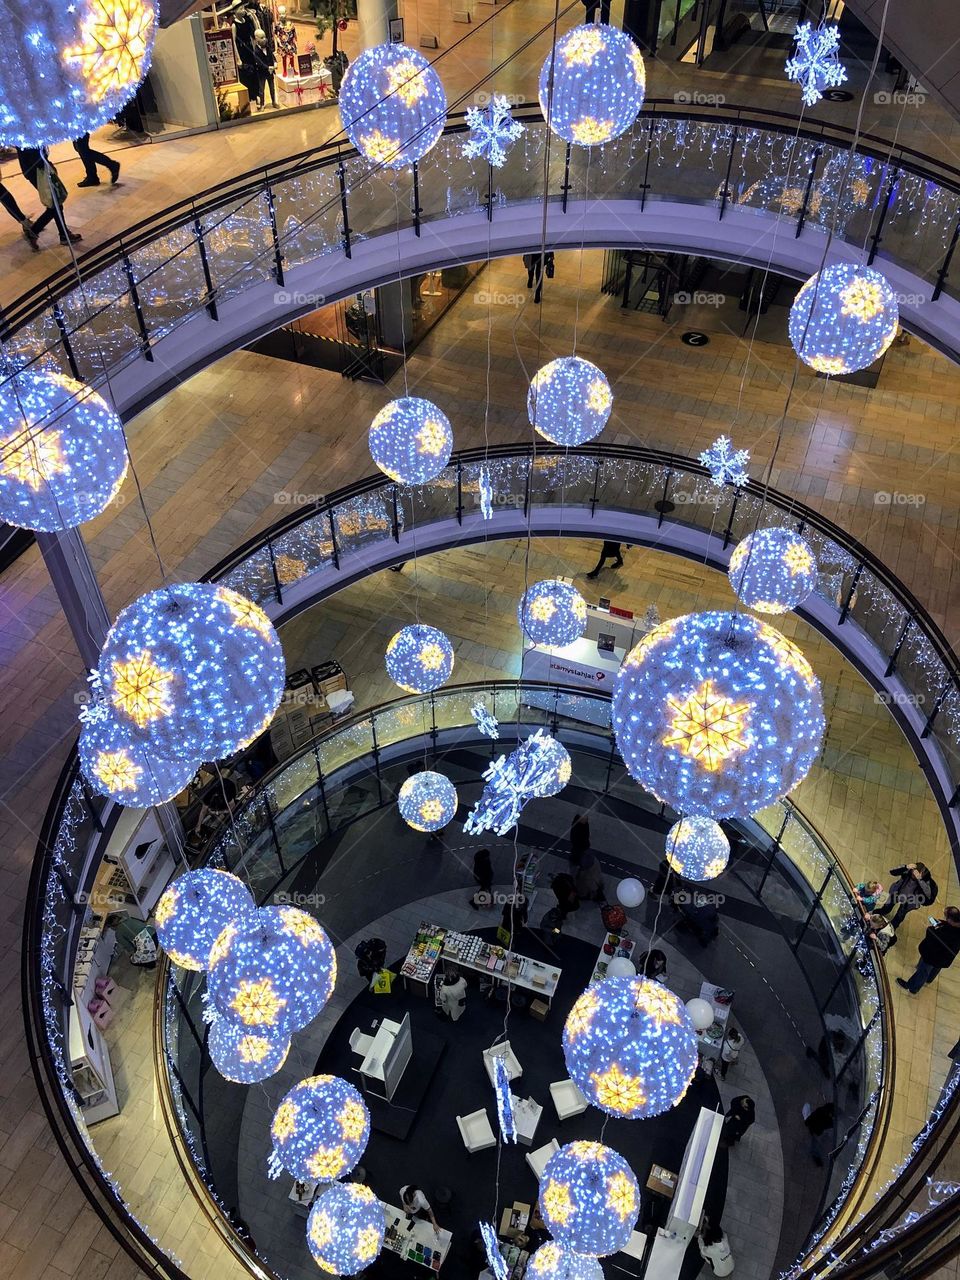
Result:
[[621, 967], [701, 1013], [630, 892]]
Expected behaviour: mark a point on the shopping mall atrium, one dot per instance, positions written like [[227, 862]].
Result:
[[479, 530]]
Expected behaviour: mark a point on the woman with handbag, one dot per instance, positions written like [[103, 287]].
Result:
[[41, 174]]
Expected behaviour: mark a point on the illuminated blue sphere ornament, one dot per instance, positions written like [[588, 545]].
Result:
[[697, 848], [569, 401], [552, 612], [272, 972], [598, 82], [319, 1131], [62, 452], [195, 671], [345, 1228], [843, 319], [552, 1262], [410, 440], [245, 1056], [117, 766], [717, 714], [427, 801], [773, 570], [630, 1047], [392, 105], [68, 68], [589, 1198], [195, 909], [419, 659]]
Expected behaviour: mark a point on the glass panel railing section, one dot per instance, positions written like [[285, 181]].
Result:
[[378, 200], [239, 244], [298, 776], [402, 720], [450, 182], [628, 484], [921, 669], [424, 503], [169, 278], [253, 577], [772, 171], [363, 520], [946, 733], [923, 240], [37, 342], [618, 170], [563, 480], [521, 177], [346, 745], [689, 160], [309, 213], [101, 322], [303, 550], [835, 565], [874, 607], [805, 852]]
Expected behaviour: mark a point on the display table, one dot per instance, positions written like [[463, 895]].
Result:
[[615, 944], [526, 1115], [303, 1194], [710, 1041], [414, 1239], [421, 960], [295, 90], [470, 952]]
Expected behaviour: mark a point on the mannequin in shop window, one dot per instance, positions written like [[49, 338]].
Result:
[[286, 34], [263, 62]]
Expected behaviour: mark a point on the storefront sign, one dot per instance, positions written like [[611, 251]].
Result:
[[221, 56], [574, 673]]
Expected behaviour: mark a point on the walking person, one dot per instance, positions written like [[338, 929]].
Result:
[[730, 1051], [915, 887], [938, 950], [740, 1115], [715, 1248], [93, 158], [17, 214], [483, 877], [41, 175], [538, 265], [610, 551]]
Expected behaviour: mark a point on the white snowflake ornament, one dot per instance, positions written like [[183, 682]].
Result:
[[816, 63], [725, 464], [493, 131]]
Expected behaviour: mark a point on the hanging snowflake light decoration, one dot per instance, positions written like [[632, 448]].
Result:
[[569, 400], [485, 720], [592, 85], [319, 1131], [816, 64], [392, 105], [485, 489], [419, 659], [501, 1084], [272, 972], [843, 319], [496, 1262], [244, 1056], [717, 714], [697, 848], [493, 131], [539, 767], [69, 68], [411, 440], [589, 1198], [630, 1047], [552, 1262], [725, 464], [195, 909], [773, 570], [117, 766], [427, 801], [194, 671], [552, 612], [62, 452], [345, 1228]]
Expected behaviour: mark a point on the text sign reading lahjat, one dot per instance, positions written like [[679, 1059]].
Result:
[[574, 673]]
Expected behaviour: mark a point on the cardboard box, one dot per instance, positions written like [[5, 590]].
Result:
[[539, 1010]]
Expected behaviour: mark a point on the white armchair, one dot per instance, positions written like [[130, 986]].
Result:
[[503, 1050], [360, 1042], [476, 1132], [567, 1099], [537, 1159]]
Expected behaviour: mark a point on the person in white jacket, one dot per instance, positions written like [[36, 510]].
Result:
[[453, 995], [715, 1248]]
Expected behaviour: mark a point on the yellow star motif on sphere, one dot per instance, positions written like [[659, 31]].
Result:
[[182, 959], [432, 438], [584, 1150], [245, 612], [658, 635], [707, 726], [166, 907], [827, 364], [622, 1196], [432, 657], [352, 1120], [617, 1091], [256, 1003], [253, 1048], [788, 655], [380, 148], [327, 1163], [556, 1202], [861, 298], [589, 131], [548, 1259], [564, 772], [658, 1002], [581, 1016], [797, 558], [543, 608], [117, 770], [114, 38], [321, 1229], [284, 1121], [362, 1193], [582, 46], [221, 945], [407, 81], [431, 811], [599, 396], [140, 688], [35, 459], [302, 926], [368, 1243]]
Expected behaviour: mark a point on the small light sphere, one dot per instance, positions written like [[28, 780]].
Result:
[[392, 105], [569, 401], [427, 801], [245, 1056], [411, 440], [589, 1198], [717, 714], [70, 67], [552, 1262], [697, 848], [773, 570], [194, 671], [848, 324], [319, 1131], [630, 1047], [117, 766], [419, 659], [62, 452], [345, 1228], [630, 892], [272, 972], [621, 967], [598, 85], [552, 612], [701, 1013], [195, 909]]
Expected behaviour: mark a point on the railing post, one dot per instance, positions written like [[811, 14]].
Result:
[[888, 200], [945, 266], [774, 850], [728, 531], [489, 192], [137, 308], [566, 181], [941, 698], [416, 199], [794, 946], [321, 788], [396, 515], [205, 264], [645, 185], [802, 217], [892, 664], [526, 489], [276, 576], [342, 179], [459, 492], [333, 538], [848, 601], [663, 505], [277, 255], [65, 339], [726, 181], [596, 487]]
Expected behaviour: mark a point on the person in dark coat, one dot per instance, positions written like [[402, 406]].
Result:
[[609, 551], [538, 265], [483, 876], [739, 1117], [91, 159], [938, 950], [597, 7], [579, 838], [651, 964], [565, 892], [915, 887], [15, 212], [32, 162]]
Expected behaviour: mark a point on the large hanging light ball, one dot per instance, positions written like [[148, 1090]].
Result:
[[126, 771], [62, 452], [245, 1056], [345, 1228], [410, 440], [592, 85], [272, 972], [195, 909], [392, 105], [773, 570], [569, 401], [552, 612], [589, 1198], [717, 714], [195, 671], [843, 319], [320, 1130], [552, 1262], [69, 68], [697, 848], [630, 1047], [427, 801], [419, 659]]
